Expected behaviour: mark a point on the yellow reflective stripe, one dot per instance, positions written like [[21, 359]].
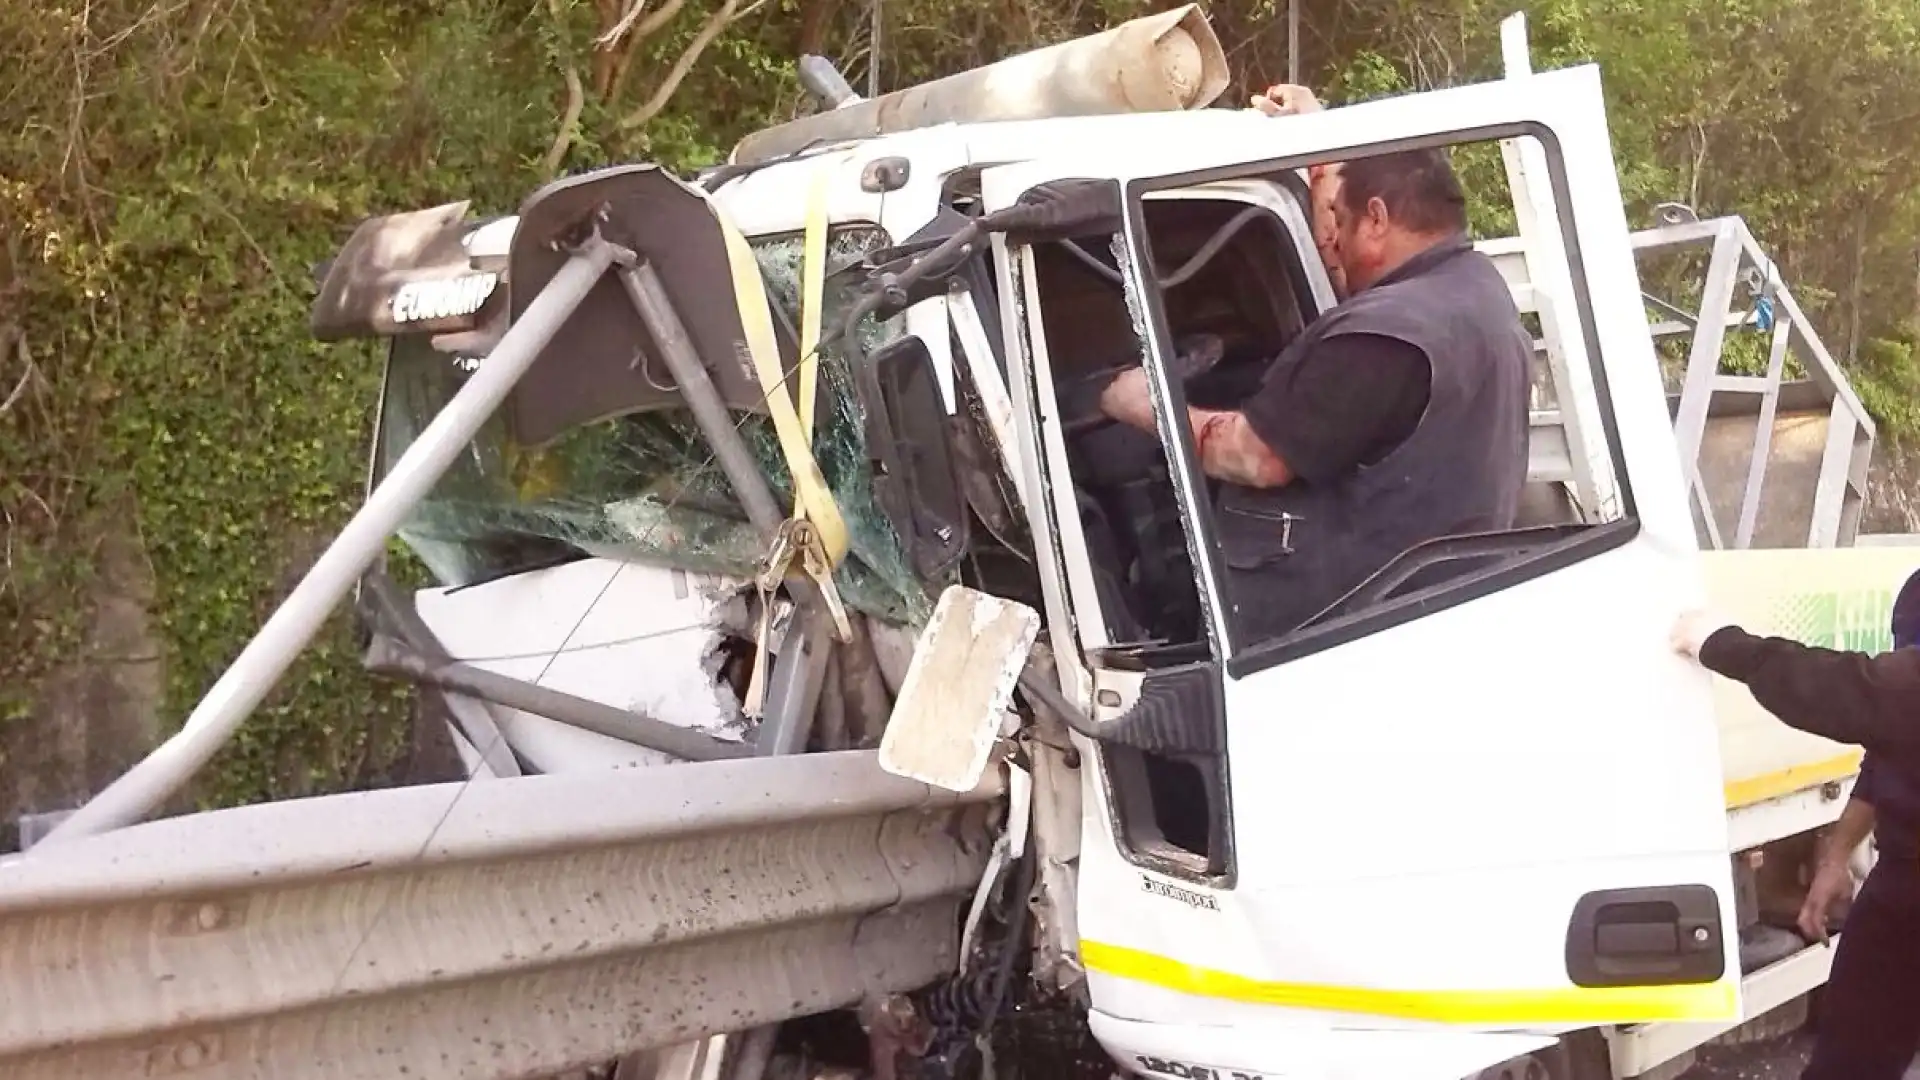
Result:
[[1758, 789], [1557, 1005], [809, 486]]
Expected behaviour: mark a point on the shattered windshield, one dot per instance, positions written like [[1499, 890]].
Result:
[[645, 487]]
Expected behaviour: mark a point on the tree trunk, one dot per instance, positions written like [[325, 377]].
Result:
[[1915, 317], [1859, 285], [816, 18]]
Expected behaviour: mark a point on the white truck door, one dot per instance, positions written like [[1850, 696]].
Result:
[[1441, 812]]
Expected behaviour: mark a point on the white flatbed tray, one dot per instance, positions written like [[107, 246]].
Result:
[[1836, 598]]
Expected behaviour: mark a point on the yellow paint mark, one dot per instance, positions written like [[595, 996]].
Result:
[[1518, 1008], [1758, 789]]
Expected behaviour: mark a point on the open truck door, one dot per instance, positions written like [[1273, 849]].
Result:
[[1439, 824]]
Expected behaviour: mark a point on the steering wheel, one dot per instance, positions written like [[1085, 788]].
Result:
[[1080, 403], [1081, 426], [1194, 356]]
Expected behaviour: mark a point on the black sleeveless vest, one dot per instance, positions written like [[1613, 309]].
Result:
[[1292, 551]]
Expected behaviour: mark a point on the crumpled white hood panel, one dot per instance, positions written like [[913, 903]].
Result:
[[635, 637]]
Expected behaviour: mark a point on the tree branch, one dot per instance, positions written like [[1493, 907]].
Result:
[[716, 24], [612, 37], [651, 24], [19, 342], [623, 63], [815, 18], [576, 100], [569, 124]]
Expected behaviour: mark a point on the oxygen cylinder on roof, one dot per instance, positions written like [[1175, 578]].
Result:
[[1159, 63]]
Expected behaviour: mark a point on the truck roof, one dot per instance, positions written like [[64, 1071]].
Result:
[[759, 196], [947, 146], [1060, 136]]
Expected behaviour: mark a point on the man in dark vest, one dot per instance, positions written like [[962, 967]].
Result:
[[1397, 417]]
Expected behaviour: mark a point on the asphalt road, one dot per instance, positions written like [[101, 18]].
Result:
[[1781, 1059]]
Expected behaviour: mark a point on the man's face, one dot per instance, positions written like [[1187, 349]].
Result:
[[1324, 190], [1363, 241]]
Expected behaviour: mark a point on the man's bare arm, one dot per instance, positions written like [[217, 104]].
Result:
[[1231, 451], [1228, 448], [1855, 825], [1128, 400]]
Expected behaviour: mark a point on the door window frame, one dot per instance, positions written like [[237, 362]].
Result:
[[1081, 609], [1072, 596], [1246, 658]]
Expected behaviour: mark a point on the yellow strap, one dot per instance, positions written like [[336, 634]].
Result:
[[796, 540], [816, 560], [810, 488], [814, 511], [755, 700], [813, 286]]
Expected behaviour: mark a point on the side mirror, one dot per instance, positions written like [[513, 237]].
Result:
[[910, 441]]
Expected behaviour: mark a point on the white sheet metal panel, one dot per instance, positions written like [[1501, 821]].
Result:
[[514, 928], [1638, 1051], [1241, 958]]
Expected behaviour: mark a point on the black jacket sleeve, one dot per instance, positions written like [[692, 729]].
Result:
[[1868, 701], [1868, 781]]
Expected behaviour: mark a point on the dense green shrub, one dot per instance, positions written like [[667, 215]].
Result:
[[170, 170]]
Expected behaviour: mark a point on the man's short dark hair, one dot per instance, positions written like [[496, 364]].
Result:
[[1418, 187], [1906, 614]]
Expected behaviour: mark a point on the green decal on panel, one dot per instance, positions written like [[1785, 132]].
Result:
[[1855, 620]]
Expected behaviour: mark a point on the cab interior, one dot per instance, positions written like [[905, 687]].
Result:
[[1235, 279], [1234, 283]]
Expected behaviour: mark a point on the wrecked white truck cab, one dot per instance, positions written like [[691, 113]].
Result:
[[692, 465], [1244, 860]]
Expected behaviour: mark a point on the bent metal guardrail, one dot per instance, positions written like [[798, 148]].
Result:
[[507, 929]]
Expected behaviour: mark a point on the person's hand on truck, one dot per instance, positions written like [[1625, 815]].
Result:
[[1285, 99], [1691, 632]]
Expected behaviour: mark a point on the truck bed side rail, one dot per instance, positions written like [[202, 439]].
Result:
[[1773, 461]]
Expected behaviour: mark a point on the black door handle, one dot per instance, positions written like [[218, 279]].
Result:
[[1646, 937], [1637, 939]]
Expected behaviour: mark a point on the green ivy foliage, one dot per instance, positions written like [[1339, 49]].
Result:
[[163, 284], [170, 174]]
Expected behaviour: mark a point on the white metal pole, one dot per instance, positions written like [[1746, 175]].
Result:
[[1293, 42], [266, 658], [1514, 53]]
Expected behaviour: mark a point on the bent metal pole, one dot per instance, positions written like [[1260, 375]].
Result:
[[266, 658]]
